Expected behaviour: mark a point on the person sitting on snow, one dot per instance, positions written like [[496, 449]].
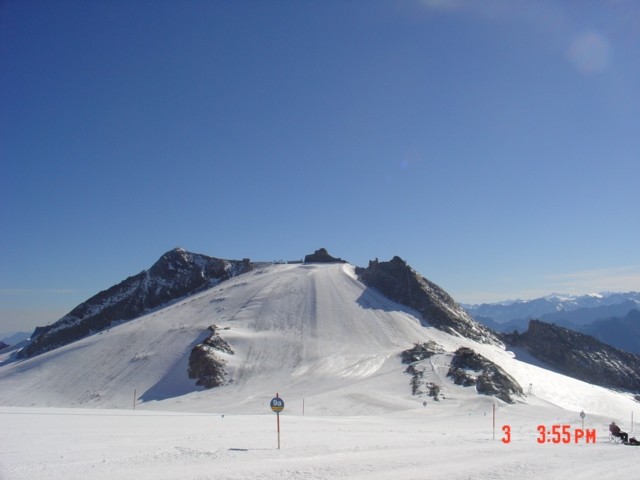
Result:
[[616, 432]]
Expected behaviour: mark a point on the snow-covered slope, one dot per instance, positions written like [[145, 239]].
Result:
[[311, 332]]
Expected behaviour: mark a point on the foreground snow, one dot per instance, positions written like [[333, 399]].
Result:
[[430, 442]]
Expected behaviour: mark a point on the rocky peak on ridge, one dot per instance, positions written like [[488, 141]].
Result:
[[322, 256], [399, 282]]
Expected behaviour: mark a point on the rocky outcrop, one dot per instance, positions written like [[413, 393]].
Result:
[[469, 368], [420, 352], [400, 283], [580, 356], [415, 357], [3, 345], [175, 275], [204, 365], [322, 256]]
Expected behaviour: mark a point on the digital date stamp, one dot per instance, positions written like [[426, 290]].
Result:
[[556, 434]]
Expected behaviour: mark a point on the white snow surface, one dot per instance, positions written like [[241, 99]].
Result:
[[329, 346]]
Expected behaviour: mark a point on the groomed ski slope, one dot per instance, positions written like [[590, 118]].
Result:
[[310, 328]]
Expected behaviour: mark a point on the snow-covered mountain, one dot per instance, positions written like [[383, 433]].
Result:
[[622, 332], [612, 318], [313, 331], [606, 304]]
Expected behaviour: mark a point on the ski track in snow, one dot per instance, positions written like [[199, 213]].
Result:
[[327, 344]]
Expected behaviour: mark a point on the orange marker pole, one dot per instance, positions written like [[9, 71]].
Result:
[[277, 405]]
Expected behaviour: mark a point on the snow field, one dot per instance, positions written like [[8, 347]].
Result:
[[421, 444]]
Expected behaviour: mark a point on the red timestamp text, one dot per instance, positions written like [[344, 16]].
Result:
[[556, 434], [565, 434]]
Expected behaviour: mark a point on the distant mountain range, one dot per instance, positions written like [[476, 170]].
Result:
[[612, 318]]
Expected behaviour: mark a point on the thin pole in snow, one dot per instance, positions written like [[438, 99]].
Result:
[[278, 415], [134, 399], [494, 421]]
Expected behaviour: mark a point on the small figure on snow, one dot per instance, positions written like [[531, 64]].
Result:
[[616, 432]]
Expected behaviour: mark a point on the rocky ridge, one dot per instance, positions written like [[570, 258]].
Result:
[[578, 355], [399, 282], [175, 275]]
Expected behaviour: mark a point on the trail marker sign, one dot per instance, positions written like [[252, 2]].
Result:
[[277, 404]]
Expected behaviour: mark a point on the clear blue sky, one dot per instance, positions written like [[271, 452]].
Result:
[[494, 145]]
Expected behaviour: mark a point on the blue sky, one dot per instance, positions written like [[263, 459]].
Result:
[[493, 145]]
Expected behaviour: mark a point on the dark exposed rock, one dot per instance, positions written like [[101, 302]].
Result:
[[419, 387], [580, 356], [421, 351], [216, 342], [3, 345], [176, 274], [414, 356], [322, 256], [433, 390], [400, 283], [205, 365], [469, 368]]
